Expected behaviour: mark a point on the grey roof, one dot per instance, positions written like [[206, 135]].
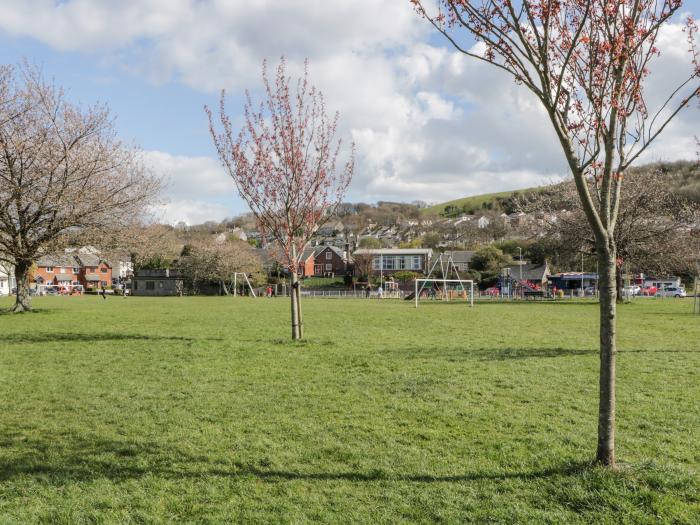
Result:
[[92, 278], [316, 250], [64, 278], [89, 259], [460, 256], [57, 260]]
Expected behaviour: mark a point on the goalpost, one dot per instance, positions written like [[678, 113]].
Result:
[[463, 283], [235, 283]]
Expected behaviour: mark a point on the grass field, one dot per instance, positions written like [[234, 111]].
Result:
[[473, 203], [138, 410]]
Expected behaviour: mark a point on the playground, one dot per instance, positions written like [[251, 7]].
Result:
[[200, 409]]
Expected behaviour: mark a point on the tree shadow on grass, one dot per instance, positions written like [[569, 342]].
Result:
[[74, 337], [489, 354], [86, 460], [33, 311]]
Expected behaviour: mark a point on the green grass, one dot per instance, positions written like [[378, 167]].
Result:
[[138, 410], [474, 203]]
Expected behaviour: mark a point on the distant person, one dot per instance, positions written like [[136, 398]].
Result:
[[380, 292], [103, 292], [368, 290], [269, 291]]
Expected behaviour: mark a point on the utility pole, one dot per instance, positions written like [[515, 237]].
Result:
[[582, 294], [520, 260]]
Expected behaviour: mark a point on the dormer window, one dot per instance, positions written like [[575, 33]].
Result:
[[49, 269]]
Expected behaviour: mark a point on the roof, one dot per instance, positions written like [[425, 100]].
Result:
[[315, 251], [395, 251], [92, 278], [530, 272], [57, 260], [89, 259], [64, 278], [574, 276], [460, 256]]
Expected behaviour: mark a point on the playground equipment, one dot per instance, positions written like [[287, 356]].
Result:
[[235, 283], [442, 287]]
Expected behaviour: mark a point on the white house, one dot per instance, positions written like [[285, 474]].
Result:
[[661, 283], [7, 279], [483, 222]]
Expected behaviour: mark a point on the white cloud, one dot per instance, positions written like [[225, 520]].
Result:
[[429, 123]]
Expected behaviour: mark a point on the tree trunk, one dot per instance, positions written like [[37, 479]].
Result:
[[606, 408], [618, 284], [23, 300], [295, 309], [299, 316]]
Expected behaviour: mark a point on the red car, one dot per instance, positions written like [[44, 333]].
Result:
[[493, 291]]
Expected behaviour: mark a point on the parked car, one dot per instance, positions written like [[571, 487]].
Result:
[[672, 291], [589, 290], [649, 291], [493, 291], [631, 290]]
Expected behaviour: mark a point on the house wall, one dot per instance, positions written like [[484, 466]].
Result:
[[306, 268], [389, 264], [323, 264], [103, 271], [49, 277]]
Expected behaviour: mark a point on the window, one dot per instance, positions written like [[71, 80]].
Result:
[[329, 267], [150, 285], [160, 284], [389, 262], [76, 269], [329, 255], [376, 263], [417, 262], [103, 270], [62, 270], [49, 269]]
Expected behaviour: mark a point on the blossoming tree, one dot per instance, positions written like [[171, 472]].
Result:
[[284, 162], [586, 61]]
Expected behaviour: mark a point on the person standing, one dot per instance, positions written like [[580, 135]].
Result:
[[380, 292]]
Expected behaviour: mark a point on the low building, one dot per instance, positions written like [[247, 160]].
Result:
[[157, 283], [61, 269], [661, 282], [390, 260], [574, 280]]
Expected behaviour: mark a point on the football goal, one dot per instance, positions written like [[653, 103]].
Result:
[[444, 290]]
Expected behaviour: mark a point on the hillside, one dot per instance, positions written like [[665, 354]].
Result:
[[683, 176], [470, 205]]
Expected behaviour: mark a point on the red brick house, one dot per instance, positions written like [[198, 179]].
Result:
[[87, 270], [322, 261]]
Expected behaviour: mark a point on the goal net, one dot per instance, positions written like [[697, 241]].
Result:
[[444, 290]]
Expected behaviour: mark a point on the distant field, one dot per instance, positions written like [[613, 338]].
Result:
[[163, 410], [475, 202]]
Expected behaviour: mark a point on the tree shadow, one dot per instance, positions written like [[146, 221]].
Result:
[[90, 459], [490, 354], [73, 337]]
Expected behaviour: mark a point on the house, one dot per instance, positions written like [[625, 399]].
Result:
[[95, 272], [331, 228], [7, 279], [534, 275], [86, 269], [324, 260], [63, 269], [483, 222], [391, 260], [461, 259], [157, 283]]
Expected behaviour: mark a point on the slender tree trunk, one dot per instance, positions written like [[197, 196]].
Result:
[[295, 309], [618, 285], [299, 316], [23, 300], [607, 259]]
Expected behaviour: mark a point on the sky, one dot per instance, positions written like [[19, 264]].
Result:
[[428, 123]]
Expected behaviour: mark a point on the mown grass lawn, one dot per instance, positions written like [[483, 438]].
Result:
[[143, 410]]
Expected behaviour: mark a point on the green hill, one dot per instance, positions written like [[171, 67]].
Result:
[[470, 205], [683, 177]]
